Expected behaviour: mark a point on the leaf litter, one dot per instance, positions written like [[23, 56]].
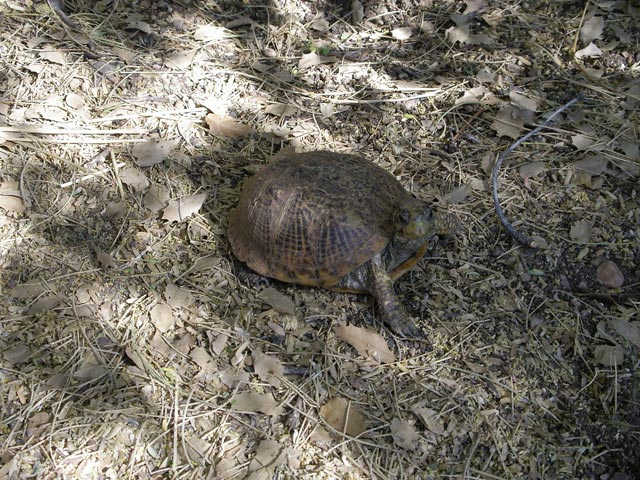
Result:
[[521, 343]]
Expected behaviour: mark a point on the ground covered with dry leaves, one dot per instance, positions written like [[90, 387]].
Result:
[[131, 346]]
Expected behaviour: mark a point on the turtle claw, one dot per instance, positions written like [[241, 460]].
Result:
[[406, 328]]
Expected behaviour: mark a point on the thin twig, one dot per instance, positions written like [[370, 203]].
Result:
[[496, 169]]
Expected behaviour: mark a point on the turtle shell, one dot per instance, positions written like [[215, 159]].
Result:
[[312, 218]]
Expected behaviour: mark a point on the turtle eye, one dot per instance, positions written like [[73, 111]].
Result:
[[404, 216]]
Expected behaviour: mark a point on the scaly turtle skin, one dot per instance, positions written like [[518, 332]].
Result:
[[337, 221]]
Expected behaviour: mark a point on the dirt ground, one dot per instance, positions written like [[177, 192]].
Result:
[[132, 346]]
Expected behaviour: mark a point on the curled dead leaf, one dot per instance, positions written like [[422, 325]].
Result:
[[589, 51], [225, 126]]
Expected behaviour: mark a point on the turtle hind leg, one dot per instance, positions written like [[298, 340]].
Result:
[[391, 310], [249, 277]]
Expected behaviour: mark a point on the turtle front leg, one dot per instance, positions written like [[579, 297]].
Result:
[[391, 310]]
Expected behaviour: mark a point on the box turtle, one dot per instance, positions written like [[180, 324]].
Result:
[[334, 220]]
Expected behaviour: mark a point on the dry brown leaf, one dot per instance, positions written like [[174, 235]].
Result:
[[10, 197], [90, 372], [239, 21], [210, 33], [608, 355], [457, 34], [197, 446], [183, 343], [137, 359], [156, 198], [320, 436], [458, 194], [580, 231], [201, 357], [268, 368], [402, 33], [277, 300], [232, 377], [628, 331], [281, 110], [477, 96], [75, 101], [485, 75], [218, 345], [105, 69], [153, 151], [404, 434], [327, 109], [135, 178], [27, 290], [17, 354], [116, 210], [581, 141], [320, 24], [509, 121], [311, 59], [531, 169], [609, 274], [368, 343], [180, 60], [125, 55], [593, 165], [343, 416], [589, 51], [523, 102], [178, 210], [54, 56], [45, 303], [135, 24], [162, 317], [38, 418], [591, 29], [631, 148], [226, 126], [176, 297], [269, 455], [431, 419], [251, 402]]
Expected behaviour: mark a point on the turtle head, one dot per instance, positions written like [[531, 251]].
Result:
[[413, 221]]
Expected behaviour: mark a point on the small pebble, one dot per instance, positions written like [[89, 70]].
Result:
[[610, 275]]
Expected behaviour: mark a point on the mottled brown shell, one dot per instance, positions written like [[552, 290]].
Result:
[[311, 218]]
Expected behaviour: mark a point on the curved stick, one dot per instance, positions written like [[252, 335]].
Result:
[[496, 168]]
